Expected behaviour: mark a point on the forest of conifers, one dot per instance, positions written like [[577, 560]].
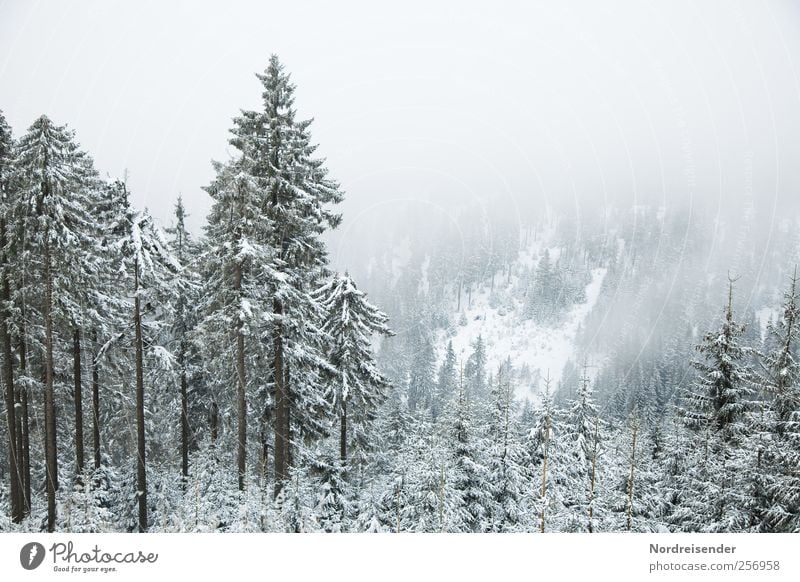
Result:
[[162, 381]]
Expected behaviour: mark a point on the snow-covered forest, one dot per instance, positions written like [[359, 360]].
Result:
[[633, 369]]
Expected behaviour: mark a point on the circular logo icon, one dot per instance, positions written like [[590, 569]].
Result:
[[31, 555]]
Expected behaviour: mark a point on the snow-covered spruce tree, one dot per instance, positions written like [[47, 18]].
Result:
[[335, 505], [445, 389], [434, 504], [238, 261], [471, 477], [719, 398], [395, 504], [147, 265], [631, 500], [88, 298], [7, 272], [715, 411], [294, 192], [777, 416], [108, 317], [54, 209], [507, 475], [351, 322], [422, 363], [475, 372], [187, 293], [549, 464], [583, 439]]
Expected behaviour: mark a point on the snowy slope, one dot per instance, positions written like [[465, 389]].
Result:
[[506, 333]]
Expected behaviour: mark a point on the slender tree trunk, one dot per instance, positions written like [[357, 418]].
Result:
[[184, 419], [14, 460], [281, 402], [543, 494], [343, 435], [214, 421], [20, 452], [141, 467], [593, 476], [96, 401], [265, 445], [76, 369], [631, 476], [15, 486], [26, 431], [289, 434], [51, 459], [241, 451], [440, 495]]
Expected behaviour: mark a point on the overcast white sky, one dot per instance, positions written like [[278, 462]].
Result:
[[512, 102]]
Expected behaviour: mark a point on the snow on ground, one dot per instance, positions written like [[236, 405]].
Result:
[[505, 333]]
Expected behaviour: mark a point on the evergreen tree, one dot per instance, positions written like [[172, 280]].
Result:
[[147, 265], [445, 382], [54, 211], [237, 263], [719, 398], [293, 194], [471, 478], [186, 294], [351, 322], [715, 410], [583, 441], [506, 473], [7, 271], [475, 371], [421, 382], [777, 416], [544, 453]]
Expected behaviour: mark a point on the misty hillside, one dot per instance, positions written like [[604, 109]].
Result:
[[439, 366]]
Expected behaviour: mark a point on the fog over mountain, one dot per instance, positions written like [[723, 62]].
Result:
[[450, 266]]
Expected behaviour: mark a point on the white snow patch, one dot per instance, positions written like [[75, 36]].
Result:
[[505, 334]]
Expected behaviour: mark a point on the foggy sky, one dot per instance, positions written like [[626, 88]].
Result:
[[526, 105]]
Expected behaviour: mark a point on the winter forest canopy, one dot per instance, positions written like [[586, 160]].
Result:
[[480, 372]]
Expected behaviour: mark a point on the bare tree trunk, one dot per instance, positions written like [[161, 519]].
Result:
[[26, 432], [214, 421], [20, 453], [594, 474], [289, 434], [95, 402], [241, 451], [51, 459], [184, 419], [14, 460], [15, 488], [281, 402], [141, 467], [343, 435], [631, 476], [265, 445], [76, 370], [543, 494]]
